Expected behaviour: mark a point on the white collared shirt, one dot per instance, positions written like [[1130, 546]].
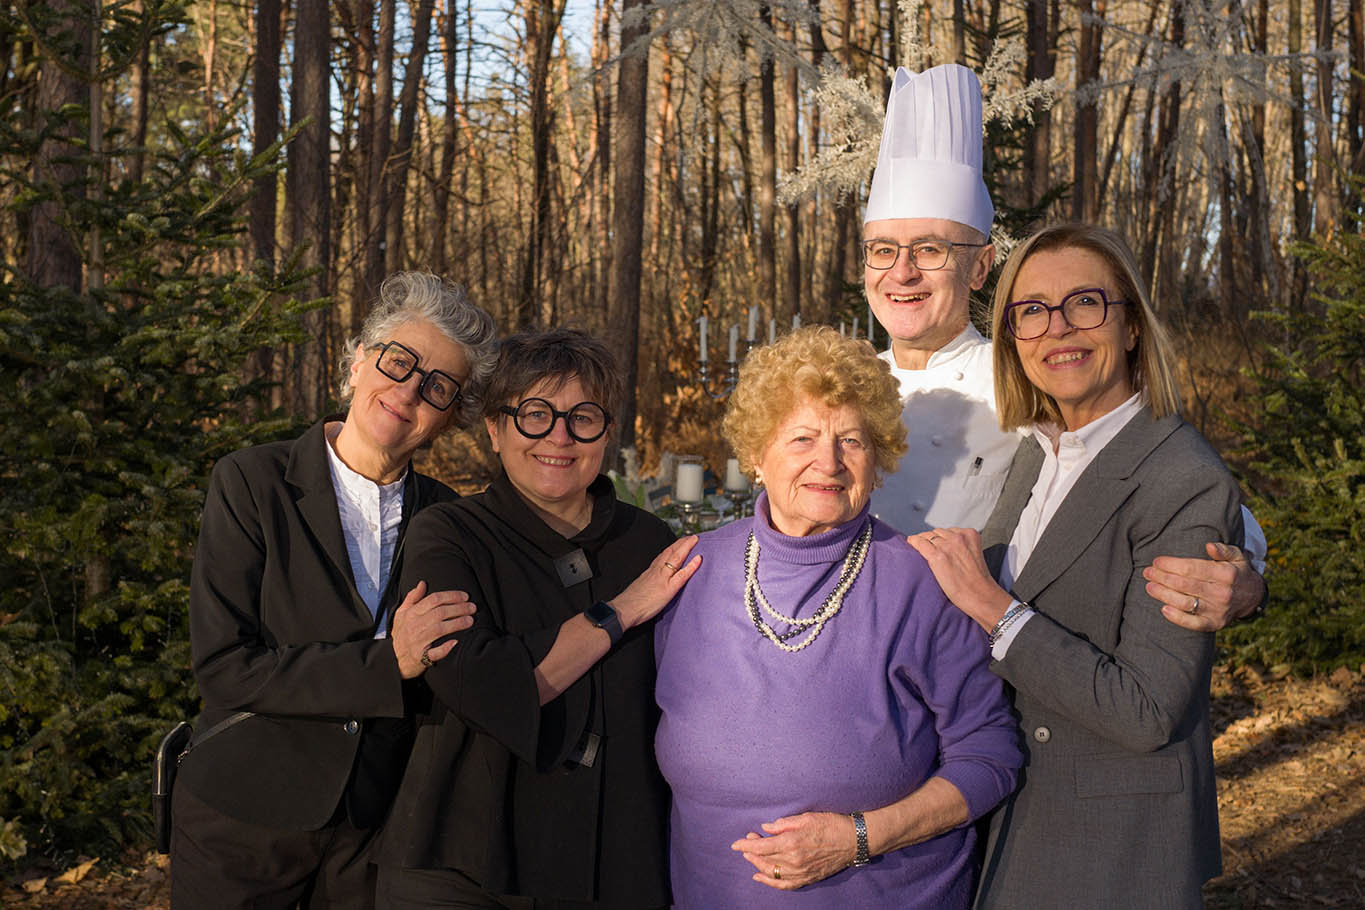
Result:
[[1066, 455], [371, 516]]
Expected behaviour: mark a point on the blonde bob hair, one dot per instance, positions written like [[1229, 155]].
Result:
[[1018, 401], [814, 363]]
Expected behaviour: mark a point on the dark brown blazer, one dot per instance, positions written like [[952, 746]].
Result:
[[1116, 806], [278, 629]]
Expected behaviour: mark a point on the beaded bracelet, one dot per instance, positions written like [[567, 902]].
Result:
[[1011, 615]]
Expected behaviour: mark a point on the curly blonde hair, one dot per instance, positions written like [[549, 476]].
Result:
[[813, 363]]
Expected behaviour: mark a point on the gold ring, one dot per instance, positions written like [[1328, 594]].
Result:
[[1195, 609], [777, 873], [670, 565], [426, 658]]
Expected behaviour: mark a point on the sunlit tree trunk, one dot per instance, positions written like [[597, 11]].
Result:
[[402, 146], [1324, 127], [767, 181], [629, 202], [307, 189], [1084, 199]]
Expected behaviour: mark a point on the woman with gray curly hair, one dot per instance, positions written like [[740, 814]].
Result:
[[305, 648], [829, 725]]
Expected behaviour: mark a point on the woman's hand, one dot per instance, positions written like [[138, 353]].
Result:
[[421, 620], [954, 555], [800, 849], [658, 584]]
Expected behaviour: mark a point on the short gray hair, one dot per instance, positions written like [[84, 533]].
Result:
[[405, 296]]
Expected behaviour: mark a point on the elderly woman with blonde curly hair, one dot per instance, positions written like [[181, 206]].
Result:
[[829, 726]]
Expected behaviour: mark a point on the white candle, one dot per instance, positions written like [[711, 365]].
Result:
[[734, 342], [689, 484], [796, 321], [734, 477], [702, 332], [772, 330], [871, 324], [753, 323], [843, 329], [855, 328]]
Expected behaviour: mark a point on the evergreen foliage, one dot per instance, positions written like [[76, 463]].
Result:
[[1308, 443], [117, 401]]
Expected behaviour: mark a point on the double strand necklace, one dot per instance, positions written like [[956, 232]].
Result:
[[815, 623]]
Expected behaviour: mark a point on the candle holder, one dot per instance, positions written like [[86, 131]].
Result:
[[724, 383], [739, 499], [690, 515]]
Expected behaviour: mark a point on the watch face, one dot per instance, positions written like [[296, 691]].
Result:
[[599, 613]]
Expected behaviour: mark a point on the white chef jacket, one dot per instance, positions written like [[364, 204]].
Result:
[[955, 466]]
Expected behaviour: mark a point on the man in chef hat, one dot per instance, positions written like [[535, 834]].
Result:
[[926, 247]]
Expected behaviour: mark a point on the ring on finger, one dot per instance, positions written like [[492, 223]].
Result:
[[670, 565], [426, 658], [1195, 607], [777, 873]]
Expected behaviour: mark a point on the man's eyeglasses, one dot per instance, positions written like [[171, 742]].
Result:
[[535, 418], [438, 389], [1083, 309], [927, 255]]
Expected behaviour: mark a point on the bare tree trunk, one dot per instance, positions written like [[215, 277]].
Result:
[[767, 186], [542, 22], [794, 282], [376, 215], [265, 117], [629, 209], [1041, 65], [1324, 152], [307, 188], [402, 146], [1084, 199], [959, 32], [265, 130], [710, 198], [450, 41], [600, 291], [1119, 130], [140, 78], [1298, 141], [53, 258], [1355, 117]]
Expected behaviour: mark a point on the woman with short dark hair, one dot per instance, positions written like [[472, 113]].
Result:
[[306, 649], [533, 783]]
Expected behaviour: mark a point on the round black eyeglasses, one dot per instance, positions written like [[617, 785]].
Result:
[[535, 418], [1083, 309], [438, 389]]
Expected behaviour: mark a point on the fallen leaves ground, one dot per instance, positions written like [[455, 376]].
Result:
[[1291, 793]]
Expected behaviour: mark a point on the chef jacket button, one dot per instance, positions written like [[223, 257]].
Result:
[[1042, 734], [917, 506], [958, 376], [936, 440], [352, 727]]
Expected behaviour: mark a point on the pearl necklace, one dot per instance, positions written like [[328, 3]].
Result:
[[815, 623]]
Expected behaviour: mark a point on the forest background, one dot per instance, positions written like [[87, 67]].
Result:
[[199, 199]]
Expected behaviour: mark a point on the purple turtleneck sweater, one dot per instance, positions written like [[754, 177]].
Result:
[[894, 691]]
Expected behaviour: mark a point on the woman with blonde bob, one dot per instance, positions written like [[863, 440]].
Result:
[[1118, 808], [829, 727]]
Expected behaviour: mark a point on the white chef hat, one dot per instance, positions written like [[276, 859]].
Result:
[[929, 164]]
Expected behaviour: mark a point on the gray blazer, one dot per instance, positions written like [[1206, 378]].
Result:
[[1116, 806]]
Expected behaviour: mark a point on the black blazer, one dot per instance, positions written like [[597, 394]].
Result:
[[493, 789], [278, 629]]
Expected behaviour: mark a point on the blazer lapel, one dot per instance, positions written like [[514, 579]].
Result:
[[999, 529], [1098, 493], [310, 473]]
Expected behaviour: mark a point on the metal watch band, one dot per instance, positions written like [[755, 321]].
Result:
[[863, 857]]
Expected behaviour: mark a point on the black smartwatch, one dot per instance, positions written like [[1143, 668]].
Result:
[[603, 615]]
